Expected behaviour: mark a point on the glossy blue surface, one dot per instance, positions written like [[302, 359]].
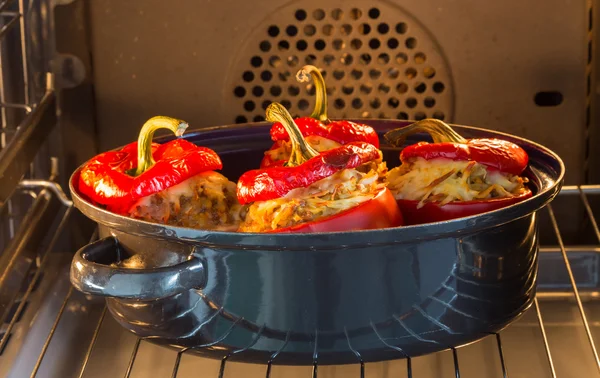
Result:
[[381, 294]]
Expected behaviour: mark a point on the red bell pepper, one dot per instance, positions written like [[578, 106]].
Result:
[[495, 154], [318, 124], [307, 166], [117, 179], [433, 212]]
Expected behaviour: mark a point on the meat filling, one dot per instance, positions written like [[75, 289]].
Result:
[[444, 181], [341, 191], [206, 201]]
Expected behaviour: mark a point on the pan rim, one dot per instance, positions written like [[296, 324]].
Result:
[[355, 239]]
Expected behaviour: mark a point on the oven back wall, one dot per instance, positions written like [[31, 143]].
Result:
[[469, 62]]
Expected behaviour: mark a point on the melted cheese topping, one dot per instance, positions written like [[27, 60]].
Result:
[[341, 191], [284, 151], [205, 201], [444, 180]]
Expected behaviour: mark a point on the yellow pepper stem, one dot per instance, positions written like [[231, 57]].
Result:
[[304, 75], [301, 150], [439, 131], [145, 159]]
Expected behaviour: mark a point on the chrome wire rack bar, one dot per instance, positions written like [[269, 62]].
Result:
[[9, 20], [9, 105], [270, 363], [574, 285], [544, 337], [4, 4], [501, 355], [36, 368], [34, 281], [20, 255], [12, 110], [582, 191], [13, 18]]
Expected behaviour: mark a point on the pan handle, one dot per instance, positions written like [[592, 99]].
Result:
[[92, 274]]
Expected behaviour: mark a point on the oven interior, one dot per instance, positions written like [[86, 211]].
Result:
[[78, 77]]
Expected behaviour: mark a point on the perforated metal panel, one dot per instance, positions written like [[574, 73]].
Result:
[[378, 62], [186, 58]]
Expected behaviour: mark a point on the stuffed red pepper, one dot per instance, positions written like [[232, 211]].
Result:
[[340, 189], [172, 183], [454, 177], [320, 133]]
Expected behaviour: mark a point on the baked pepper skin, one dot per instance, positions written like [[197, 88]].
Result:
[[305, 167], [339, 131], [433, 212], [496, 154], [317, 124], [275, 182], [117, 179]]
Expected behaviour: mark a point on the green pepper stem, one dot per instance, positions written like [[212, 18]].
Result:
[[304, 75], [301, 150], [439, 131], [145, 159]]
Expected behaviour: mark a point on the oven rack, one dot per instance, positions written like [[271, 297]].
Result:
[[583, 192], [27, 104], [10, 19]]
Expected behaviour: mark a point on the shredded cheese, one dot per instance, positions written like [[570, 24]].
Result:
[[444, 181], [341, 191]]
